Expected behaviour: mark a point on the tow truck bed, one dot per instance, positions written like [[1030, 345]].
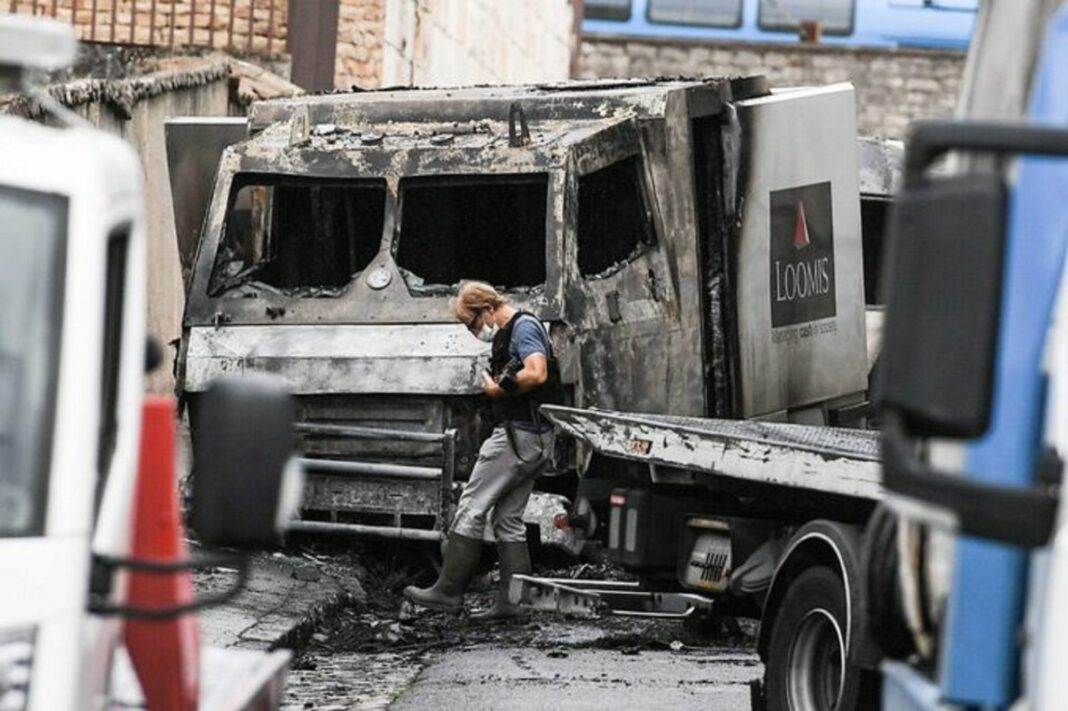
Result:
[[772, 459], [776, 467]]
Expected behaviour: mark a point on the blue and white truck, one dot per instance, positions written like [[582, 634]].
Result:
[[966, 564]]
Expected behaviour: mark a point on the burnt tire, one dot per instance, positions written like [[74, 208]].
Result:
[[807, 667]]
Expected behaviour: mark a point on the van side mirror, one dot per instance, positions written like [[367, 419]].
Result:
[[246, 482], [944, 265]]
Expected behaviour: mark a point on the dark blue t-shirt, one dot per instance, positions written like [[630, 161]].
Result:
[[528, 337]]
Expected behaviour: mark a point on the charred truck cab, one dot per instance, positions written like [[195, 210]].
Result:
[[693, 246]]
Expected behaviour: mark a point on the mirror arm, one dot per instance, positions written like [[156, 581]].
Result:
[[109, 565], [1013, 515], [932, 138]]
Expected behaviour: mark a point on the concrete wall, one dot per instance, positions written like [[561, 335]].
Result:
[[452, 42], [136, 109], [893, 87]]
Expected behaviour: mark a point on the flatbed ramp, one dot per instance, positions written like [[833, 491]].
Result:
[[775, 458]]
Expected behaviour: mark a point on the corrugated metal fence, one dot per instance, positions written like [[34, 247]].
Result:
[[243, 25]]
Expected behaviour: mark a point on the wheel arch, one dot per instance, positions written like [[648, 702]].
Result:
[[836, 546]]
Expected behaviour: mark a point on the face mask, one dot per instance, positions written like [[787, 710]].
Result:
[[487, 333]]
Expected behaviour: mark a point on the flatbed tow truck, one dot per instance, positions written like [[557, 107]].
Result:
[[733, 517]]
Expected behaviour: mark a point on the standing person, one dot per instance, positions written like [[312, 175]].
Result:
[[523, 375]]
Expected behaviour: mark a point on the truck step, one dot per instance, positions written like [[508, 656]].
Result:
[[372, 469], [594, 598], [355, 529]]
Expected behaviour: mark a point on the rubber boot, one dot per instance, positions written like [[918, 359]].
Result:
[[459, 564], [514, 559]]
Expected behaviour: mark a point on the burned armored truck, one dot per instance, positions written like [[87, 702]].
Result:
[[693, 246]]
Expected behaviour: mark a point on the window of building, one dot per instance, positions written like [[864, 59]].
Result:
[[307, 237], [706, 13], [613, 225], [835, 16], [607, 9], [490, 228]]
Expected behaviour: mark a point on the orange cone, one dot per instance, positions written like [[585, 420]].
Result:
[[165, 654]]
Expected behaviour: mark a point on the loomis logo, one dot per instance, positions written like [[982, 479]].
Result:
[[802, 255]]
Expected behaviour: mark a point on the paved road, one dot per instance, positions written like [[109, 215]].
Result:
[[576, 665], [520, 678], [381, 654]]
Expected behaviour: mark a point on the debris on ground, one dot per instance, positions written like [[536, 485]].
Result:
[[385, 622], [375, 647]]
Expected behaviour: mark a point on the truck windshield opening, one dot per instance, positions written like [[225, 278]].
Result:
[[490, 228], [302, 237], [31, 302]]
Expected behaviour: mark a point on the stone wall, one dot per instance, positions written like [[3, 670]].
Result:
[[893, 87]]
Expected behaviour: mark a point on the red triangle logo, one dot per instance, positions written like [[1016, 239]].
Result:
[[801, 239]]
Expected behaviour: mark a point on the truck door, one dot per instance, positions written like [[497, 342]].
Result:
[[34, 238], [621, 299], [71, 311]]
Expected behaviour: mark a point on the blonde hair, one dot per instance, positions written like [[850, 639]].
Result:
[[475, 296]]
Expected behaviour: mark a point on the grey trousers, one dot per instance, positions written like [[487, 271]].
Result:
[[502, 481]]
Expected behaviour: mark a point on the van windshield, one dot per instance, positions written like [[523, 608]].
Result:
[[33, 227]]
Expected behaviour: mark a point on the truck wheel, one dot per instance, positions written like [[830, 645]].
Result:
[[807, 667]]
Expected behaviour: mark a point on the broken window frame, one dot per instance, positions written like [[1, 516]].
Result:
[[355, 306], [649, 240], [424, 289], [241, 180]]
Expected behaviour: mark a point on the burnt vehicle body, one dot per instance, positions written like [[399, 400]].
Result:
[[693, 249]]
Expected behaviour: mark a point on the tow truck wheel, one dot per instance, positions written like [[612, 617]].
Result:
[[807, 664]]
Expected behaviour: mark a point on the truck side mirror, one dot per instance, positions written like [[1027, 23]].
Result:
[[245, 481], [944, 262]]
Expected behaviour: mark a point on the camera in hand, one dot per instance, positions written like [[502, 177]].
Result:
[[507, 379]]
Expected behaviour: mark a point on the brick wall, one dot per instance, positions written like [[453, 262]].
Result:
[[243, 25], [893, 87], [360, 35], [426, 42]]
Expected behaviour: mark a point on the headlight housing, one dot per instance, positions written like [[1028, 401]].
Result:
[[16, 663]]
